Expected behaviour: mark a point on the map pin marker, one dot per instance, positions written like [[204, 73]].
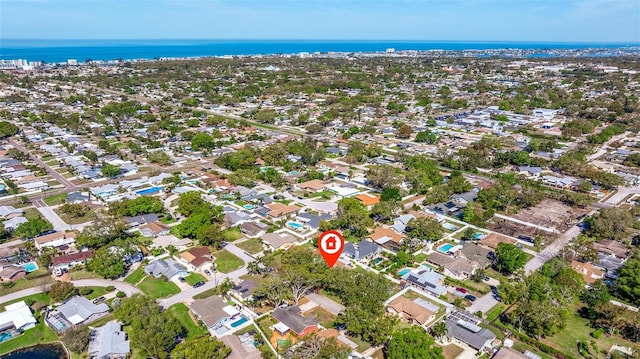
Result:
[[331, 244]]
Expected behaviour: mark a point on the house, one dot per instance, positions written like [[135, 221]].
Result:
[[368, 200], [241, 346], [362, 251], [165, 267], [400, 223], [427, 280], [197, 258], [235, 218], [455, 267], [611, 247], [343, 191], [278, 209], [312, 186], [109, 342], [244, 290], [213, 312], [253, 229], [386, 237], [142, 219], [76, 197], [341, 339], [105, 191], [12, 273], [8, 212], [312, 220], [409, 310], [509, 353], [466, 197], [16, 316], [465, 327], [475, 253], [154, 229], [279, 240], [55, 240], [531, 172], [76, 310], [492, 240], [588, 271], [13, 223], [290, 320], [62, 263]]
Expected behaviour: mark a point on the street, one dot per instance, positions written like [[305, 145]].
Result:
[[120, 286]]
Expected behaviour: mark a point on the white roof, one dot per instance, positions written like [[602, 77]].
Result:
[[280, 327], [17, 313], [344, 191], [230, 310]]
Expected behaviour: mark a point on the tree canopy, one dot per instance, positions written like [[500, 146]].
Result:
[[412, 343], [509, 258]]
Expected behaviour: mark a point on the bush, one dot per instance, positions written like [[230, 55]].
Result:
[[110, 288], [8, 284], [121, 294], [597, 333], [30, 301], [85, 291]]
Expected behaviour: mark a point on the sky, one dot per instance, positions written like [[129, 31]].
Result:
[[459, 20]]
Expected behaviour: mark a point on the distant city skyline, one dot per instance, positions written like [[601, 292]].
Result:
[[445, 20]]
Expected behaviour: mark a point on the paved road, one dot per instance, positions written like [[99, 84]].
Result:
[[121, 286], [69, 186], [483, 304], [326, 303], [325, 207]]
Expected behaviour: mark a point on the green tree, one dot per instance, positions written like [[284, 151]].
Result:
[[412, 343], [509, 258], [76, 338], [426, 136], [32, 228], [628, 283], [110, 171], [404, 131], [7, 129], [202, 140], [352, 215], [61, 291], [159, 157], [612, 223], [384, 177], [315, 347], [206, 347], [425, 228], [107, 263], [210, 235]]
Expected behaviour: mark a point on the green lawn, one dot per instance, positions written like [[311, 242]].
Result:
[[253, 245], [90, 216], [33, 279], [136, 276], [82, 274], [40, 334], [55, 199], [494, 312], [181, 313], [95, 292], [31, 213], [227, 262], [195, 277], [232, 234], [41, 298], [158, 288]]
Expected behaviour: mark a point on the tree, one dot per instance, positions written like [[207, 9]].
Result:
[[425, 228], [384, 177], [60, 291], [412, 343], [103, 231], [202, 140], [628, 283], [7, 129], [107, 263], [509, 258], [427, 137], [404, 131], [439, 330], [612, 223], [76, 338], [271, 292], [315, 347], [32, 228], [110, 171], [190, 202], [210, 235], [206, 347], [352, 215], [159, 157]]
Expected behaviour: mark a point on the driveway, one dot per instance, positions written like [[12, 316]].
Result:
[[326, 303], [483, 304]]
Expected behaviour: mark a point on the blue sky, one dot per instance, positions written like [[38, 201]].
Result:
[[492, 20]]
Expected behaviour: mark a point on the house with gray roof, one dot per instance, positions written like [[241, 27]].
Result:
[[10, 211], [167, 267], [13, 223], [213, 312], [76, 310], [235, 218], [475, 253], [361, 251], [427, 280], [312, 220], [400, 223], [109, 342], [465, 327], [290, 319], [455, 267]]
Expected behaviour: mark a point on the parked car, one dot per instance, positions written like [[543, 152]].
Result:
[[461, 290], [206, 271], [182, 280], [486, 279], [470, 297], [99, 300], [198, 284]]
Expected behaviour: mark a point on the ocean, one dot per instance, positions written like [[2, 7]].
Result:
[[61, 50]]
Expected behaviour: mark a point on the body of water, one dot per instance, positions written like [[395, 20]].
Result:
[[62, 50], [42, 351]]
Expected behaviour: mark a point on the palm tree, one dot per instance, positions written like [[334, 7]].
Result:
[[439, 330]]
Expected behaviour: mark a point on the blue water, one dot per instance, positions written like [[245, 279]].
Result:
[[40, 351], [5, 336], [61, 50], [249, 206], [403, 272], [151, 190], [30, 267], [295, 225], [239, 322], [449, 226], [445, 248], [477, 235]]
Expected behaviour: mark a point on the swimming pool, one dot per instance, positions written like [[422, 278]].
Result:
[[249, 206], [30, 267], [293, 173], [445, 247], [239, 322], [5, 336], [151, 190], [449, 226], [403, 272], [295, 225], [478, 235]]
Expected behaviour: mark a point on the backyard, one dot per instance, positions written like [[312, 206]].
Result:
[[40, 334], [253, 245], [226, 262], [136, 276], [231, 234], [181, 313]]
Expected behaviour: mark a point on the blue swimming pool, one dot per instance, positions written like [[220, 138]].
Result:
[[449, 226], [249, 206], [293, 173], [295, 225], [151, 190], [5, 336], [478, 235], [239, 322], [30, 267], [403, 272], [445, 247]]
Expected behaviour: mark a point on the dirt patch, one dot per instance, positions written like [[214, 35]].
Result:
[[516, 230], [551, 214]]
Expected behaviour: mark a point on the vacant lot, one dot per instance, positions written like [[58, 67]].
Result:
[[158, 288], [226, 262], [514, 229], [551, 214], [253, 245]]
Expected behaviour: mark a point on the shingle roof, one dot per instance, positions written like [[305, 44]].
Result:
[[290, 316]]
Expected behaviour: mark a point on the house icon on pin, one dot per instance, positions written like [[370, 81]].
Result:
[[330, 243]]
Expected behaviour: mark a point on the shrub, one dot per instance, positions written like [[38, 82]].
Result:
[[30, 301], [121, 294], [597, 333], [85, 291], [110, 288]]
